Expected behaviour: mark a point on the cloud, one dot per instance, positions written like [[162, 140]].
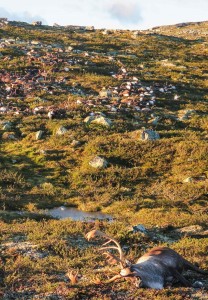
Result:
[[126, 12], [24, 16]]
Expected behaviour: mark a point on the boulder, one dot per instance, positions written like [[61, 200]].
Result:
[[149, 135], [98, 162], [62, 130], [102, 121]]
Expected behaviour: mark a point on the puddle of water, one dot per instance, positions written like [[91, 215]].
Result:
[[76, 214]]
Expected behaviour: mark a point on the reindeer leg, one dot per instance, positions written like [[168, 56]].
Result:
[[190, 266], [180, 277]]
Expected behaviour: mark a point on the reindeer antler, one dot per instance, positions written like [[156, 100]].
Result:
[[97, 233], [73, 276]]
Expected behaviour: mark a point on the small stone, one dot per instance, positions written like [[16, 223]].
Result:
[[185, 114], [9, 136], [149, 135], [188, 179], [62, 130], [139, 228], [7, 126], [195, 179], [39, 135], [154, 121], [75, 143]]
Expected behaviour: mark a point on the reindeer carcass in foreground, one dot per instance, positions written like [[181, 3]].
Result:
[[155, 269]]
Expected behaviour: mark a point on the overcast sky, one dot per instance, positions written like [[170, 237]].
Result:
[[123, 14]]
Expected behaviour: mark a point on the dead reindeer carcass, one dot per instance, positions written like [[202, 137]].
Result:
[[155, 269]]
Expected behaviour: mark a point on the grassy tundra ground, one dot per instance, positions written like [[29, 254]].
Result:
[[144, 180]]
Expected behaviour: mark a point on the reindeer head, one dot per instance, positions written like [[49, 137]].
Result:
[[97, 233], [127, 270]]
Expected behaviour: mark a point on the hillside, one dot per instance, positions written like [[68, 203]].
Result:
[[101, 120]]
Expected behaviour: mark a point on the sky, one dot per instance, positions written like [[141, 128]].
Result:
[[114, 14]]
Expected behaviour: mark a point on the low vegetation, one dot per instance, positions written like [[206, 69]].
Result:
[[161, 183]]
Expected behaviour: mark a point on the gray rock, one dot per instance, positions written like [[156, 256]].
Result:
[[98, 119], [149, 135], [154, 121], [7, 126], [188, 230], [62, 130], [198, 284], [139, 228], [39, 135], [98, 162], [9, 136]]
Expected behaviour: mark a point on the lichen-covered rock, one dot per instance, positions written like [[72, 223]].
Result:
[[98, 119], [102, 121], [98, 162]]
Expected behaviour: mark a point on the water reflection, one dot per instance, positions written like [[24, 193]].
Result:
[[76, 214]]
